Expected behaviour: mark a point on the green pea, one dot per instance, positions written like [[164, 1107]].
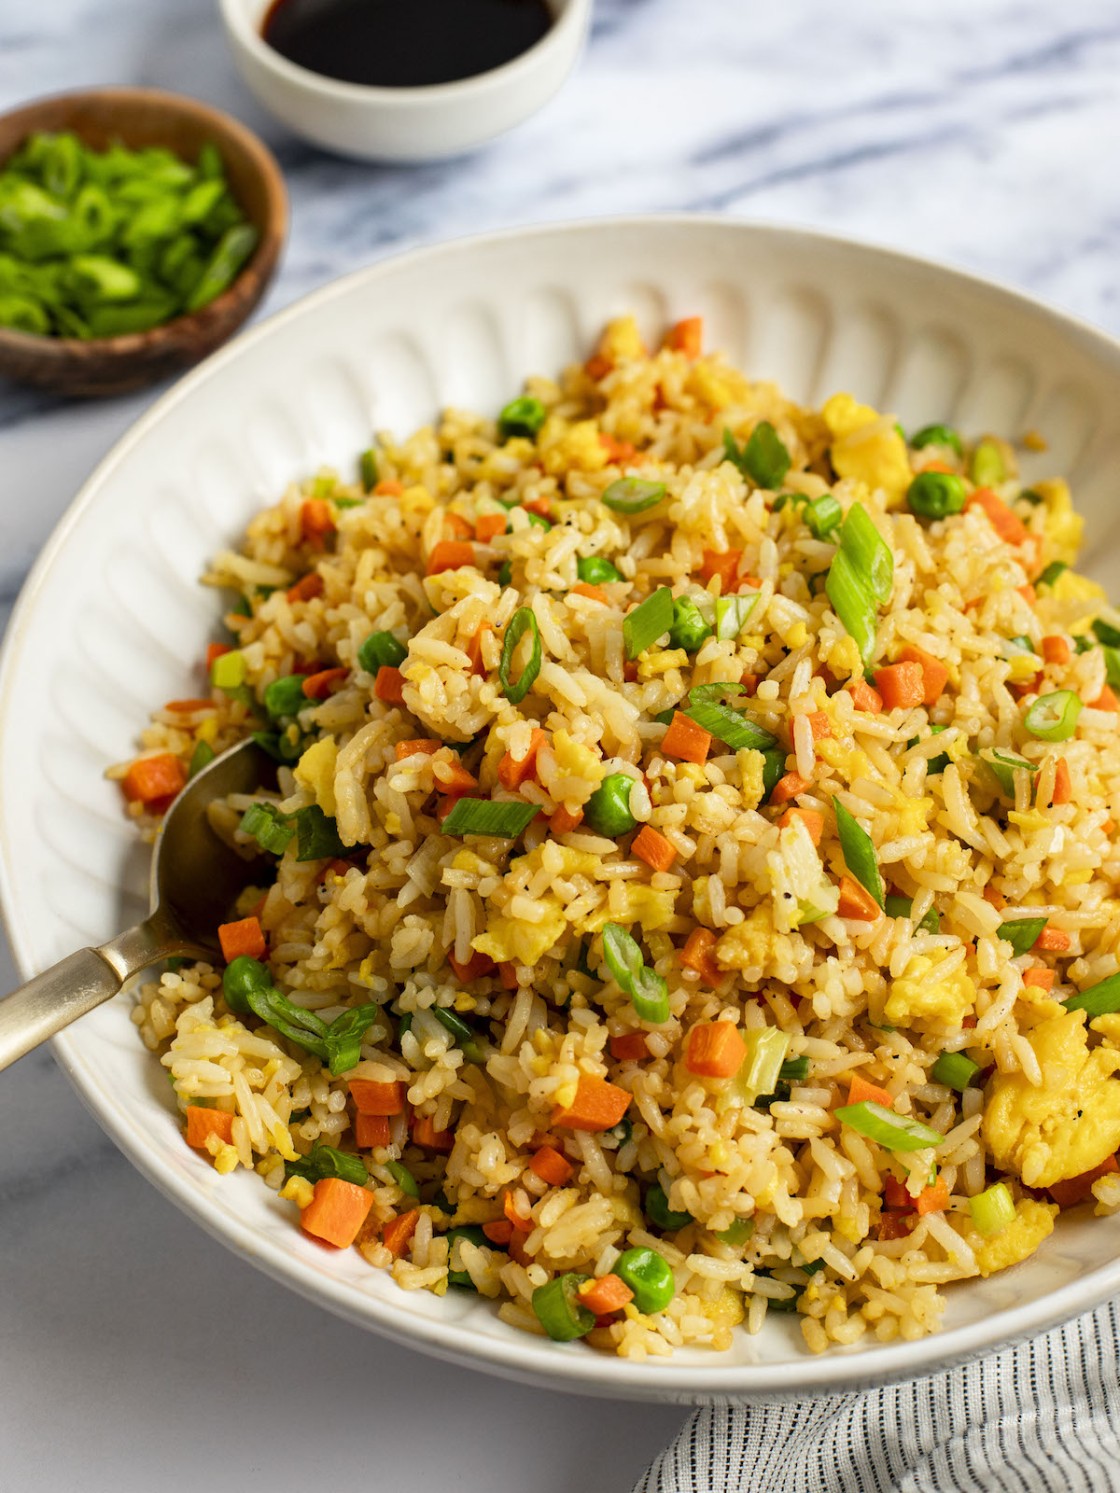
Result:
[[241, 978], [649, 1276], [523, 416], [658, 1210], [595, 571], [936, 494], [381, 650], [285, 696], [987, 466], [937, 435], [689, 628], [607, 811]]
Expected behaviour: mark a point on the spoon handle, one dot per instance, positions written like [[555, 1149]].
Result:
[[77, 984]]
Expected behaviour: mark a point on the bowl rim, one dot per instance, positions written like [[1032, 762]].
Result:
[[264, 162], [566, 1368], [572, 18]]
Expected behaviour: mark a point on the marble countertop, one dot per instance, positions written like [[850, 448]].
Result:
[[984, 136]]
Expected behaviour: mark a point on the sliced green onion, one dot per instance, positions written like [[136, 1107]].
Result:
[[324, 1161], [992, 1210], [860, 577], [559, 1310], [241, 976], [227, 672], [272, 830], [759, 1071], [232, 252], [522, 621], [936, 494], [986, 466], [633, 495], [869, 551], [896, 1132], [481, 816], [505, 574], [345, 1035], [733, 613], [937, 435], [737, 1233], [304, 1028], [794, 1070], [823, 515], [1003, 768], [899, 907], [403, 1178], [463, 1033], [733, 727], [381, 650], [1111, 664], [593, 570], [1021, 933], [607, 811], [285, 696], [201, 757], [763, 458], [647, 990], [1101, 999], [657, 1210], [689, 629], [954, 1070], [281, 746], [523, 416], [1052, 572], [650, 997], [1053, 717], [649, 621], [773, 770], [1105, 633], [473, 1235], [367, 469], [317, 835], [859, 852]]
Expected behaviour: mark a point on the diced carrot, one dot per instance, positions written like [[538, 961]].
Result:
[[1027, 687], [565, 820], [1063, 788], [450, 554], [686, 337], [598, 366], [1055, 649], [629, 1047], [307, 587], [592, 593], [749, 681], [810, 818], [598, 1105], [203, 1122], [819, 724], [618, 452], [715, 1049], [507, 973], [398, 1231], [424, 1133], [1106, 700], [787, 787], [894, 1225], [935, 676], [685, 740], [901, 685], [477, 967], [412, 748], [213, 651], [455, 526], [337, 867], [337, 1211], [520, 1222], [995, 897], [498, 1230], [488, 526], [513, 771], [243, 937], [316, 521], [388, 487], [474, 650], [857, 902], [371, 1131], [1040, 978], [318, 686], [1052, 941], [934, 1198], [1006, 524], [1109, 825], [375, 1098], [968, 1022], [445, 803], [389, 685], [1028, 593], [896, 1196], [699, 954], [865, 698], [630, 672], [551, 1167], [724, 563], [862, 1091], [606, 1295], [651, 846], [453, 777], [189, 707], [1076, 1189], [154, 781], [936, 465]]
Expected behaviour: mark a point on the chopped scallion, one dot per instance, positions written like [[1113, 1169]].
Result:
[[630, 495], [896, 1132], [763, 458], [522, 621], [649, 621], [954, 1070], [992, 1210], [481, 816], [733, 613], [1021, 933], [859, 852], [1053, 717], [1101, 999], [523, 416]]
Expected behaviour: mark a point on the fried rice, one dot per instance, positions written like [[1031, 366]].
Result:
[[499, 1038]]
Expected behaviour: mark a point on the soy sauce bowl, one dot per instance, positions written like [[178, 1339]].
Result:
[[404, 125], [139, 117]]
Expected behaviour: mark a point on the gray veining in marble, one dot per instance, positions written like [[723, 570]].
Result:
[[983, 134]]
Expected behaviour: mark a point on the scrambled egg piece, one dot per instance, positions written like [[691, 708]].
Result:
[[575, 759], [563, 445], [631, 902], [1073, 587], [1063, 526], [866, 446], [726, 1310], [920, 998], [621, 341], [1071, 1122], [748, 944], [1033, 1223], [315, 772], [513, 939]]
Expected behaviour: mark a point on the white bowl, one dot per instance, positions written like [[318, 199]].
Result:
[[112, 618], [404, 124]]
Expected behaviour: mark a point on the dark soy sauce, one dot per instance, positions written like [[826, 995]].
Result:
[[404, 43]]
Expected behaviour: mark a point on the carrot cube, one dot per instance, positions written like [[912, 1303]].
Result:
[[787, 787], [1052, 941], [686, 337], [810, 818], [598, 1105], [857, 902], [488, 526], [1063, 788], [651, 846], [307, 587], [1055, 650], [424, 1133], [498, 1230], [457, 527], [606, 1295], [413, 748], [316, 521], [1076, 1189], [243, 937], [628, 1047], [933, 1199], [450, 554], [865, 698], [551, 1167], [564, 820], [389, 685], [1106, 700], [318, 686], [592, 593], [154, 781], [935, 676], [685, 740], [819, 724], [724, 563], [715, 1049], [337, 1211], [861, 1091], [203, 1122], [371, 1131], [373, 1098], [699, 954], [398, 1231], [1040, 978], [901, 685], [388, 487], [213, 651], [618, 452], [477, 967], [1006, 524], [474, 650], [513, 771]]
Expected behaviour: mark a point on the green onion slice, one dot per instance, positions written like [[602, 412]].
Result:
[[794, 1070], [737, 1233], [760, 1070], [987, 467], [345, 1035], [523, 416], [1021, 933], [1101, 999], [954, 1070], [367, 469], [272, 830], [689, 629], [869, 551], [482, 816], [1053, 717], [201, 757], [733, 613], [763, 458], [1052, 572], [649, 621], [521, 622], [324, 1161], [559, 1310], [859, 852], [1003, 768], [403, 1178], [463, 1033], [823, 515], [656, 1205], [647, 990], [896, 1132], [1106, 633], [900, 907], [860, 577], [992, 1210], [732, 727], [633, 495]]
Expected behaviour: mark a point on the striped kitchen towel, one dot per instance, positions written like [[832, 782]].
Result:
[[1040, 1418]]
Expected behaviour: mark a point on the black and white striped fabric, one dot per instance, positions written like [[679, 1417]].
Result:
[[1041, 1418]]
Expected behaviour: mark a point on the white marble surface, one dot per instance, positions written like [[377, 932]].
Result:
[[985, 135]]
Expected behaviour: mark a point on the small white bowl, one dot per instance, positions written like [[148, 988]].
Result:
[[404, 124]]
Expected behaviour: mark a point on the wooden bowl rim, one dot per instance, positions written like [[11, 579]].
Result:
[[274, 230]]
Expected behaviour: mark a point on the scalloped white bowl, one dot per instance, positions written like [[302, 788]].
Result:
[[112, 618]]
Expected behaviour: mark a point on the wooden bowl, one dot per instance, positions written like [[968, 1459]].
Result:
[[140, 117]]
